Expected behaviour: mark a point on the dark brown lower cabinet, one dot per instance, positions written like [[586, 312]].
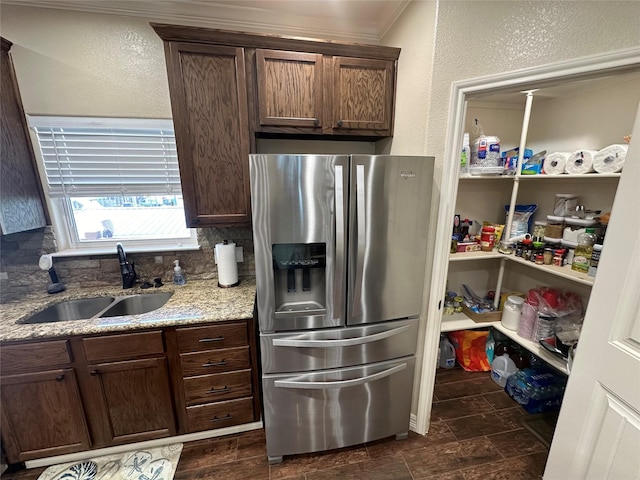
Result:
[[67, 395], [42, 415], [135, 398]]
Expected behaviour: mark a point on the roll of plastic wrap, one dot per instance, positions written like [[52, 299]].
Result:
[[580, 162], [225, 254], [610, 159], [555, 162]]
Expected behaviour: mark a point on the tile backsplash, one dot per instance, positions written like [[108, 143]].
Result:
[[21, 275]]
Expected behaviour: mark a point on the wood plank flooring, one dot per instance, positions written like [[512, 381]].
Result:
[[476, 434]]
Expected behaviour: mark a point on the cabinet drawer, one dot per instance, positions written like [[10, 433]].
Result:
[[214, 361], [121, 347], [217, 387], [220, 414], [212, 337], [25, 357]]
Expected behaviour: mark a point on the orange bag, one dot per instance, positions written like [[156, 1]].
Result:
[[470, 347]]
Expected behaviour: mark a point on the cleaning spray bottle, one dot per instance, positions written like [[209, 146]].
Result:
[[178, 276]]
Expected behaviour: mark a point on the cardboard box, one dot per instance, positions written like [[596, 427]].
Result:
[[468, 247], [482, 317]]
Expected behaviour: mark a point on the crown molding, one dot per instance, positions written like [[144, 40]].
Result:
[[240, 17]]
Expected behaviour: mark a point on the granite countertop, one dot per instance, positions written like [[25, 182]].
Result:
[[198, 301]]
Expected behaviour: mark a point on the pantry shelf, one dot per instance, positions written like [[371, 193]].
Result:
[[564, 272], [477, 255], [459, 321], [554, 361], [567, 176]]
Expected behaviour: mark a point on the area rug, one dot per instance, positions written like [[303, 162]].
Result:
[[157, 463]]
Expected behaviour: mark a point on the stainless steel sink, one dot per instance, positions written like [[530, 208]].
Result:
[[96, 307], [137, 304], [80, 309]]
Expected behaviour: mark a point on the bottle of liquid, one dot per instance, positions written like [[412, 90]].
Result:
[[584, 249], [178, 276], [447, 353], [465, 156]]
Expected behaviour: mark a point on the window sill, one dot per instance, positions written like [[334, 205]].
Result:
[[85, 252]]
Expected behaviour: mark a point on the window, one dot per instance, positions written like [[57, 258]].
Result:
[[113, 180]]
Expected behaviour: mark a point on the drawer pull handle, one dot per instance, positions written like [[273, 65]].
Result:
[[221, 419], [224, 389], [60, 378], [215, 364], [94, 373], [209, 340]]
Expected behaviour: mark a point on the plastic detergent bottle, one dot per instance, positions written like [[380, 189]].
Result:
[[502, 368], [447, 353], [178, 276], [465, 156], [584, 249]]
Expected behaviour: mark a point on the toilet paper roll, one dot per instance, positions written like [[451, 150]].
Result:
[[225, 256], [610, 159], [580, 162], [555, 162]]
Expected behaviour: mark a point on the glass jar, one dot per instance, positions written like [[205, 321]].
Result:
[[547, 256], [539, 259]]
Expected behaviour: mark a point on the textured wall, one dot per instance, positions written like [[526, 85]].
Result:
[[73, 63]]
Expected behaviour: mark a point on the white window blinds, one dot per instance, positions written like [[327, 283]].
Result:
[[107, 156]]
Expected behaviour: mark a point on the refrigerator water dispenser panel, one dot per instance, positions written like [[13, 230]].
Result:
[[299, 277]]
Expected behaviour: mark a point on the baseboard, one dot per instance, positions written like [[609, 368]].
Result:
[[189, 437]]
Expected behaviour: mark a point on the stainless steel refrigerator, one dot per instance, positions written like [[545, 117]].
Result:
[[340, 244]]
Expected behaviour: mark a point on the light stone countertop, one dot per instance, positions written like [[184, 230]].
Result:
[[198, 301]]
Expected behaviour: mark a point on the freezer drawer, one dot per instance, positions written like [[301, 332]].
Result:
[[336, 408], [339, 347]]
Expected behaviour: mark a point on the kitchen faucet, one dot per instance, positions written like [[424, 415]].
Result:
[[127, 269]]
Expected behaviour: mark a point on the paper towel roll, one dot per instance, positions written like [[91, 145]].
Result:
[[555, 162], [580, 162], [225, 256], [610, 159]]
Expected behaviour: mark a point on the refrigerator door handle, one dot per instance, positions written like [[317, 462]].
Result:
[[338, 286], [301, 341], [361, 216], [301, 384]]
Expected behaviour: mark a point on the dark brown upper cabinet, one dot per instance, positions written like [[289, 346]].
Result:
[[208, 89], [290, 89], [227, 88], [363, 94], [22, 205]]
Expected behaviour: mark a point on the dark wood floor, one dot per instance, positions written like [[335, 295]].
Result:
[[476, 433]]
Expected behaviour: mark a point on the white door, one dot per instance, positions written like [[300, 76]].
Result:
[[598, 432]]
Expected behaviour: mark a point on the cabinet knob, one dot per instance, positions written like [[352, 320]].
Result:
[[60, 378], [316, 122], [93, 373], [340, 123]]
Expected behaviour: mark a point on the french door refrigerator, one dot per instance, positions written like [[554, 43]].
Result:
[[340, 246]]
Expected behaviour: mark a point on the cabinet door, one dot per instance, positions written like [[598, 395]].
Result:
[[209, 101], [21, 207], [136, 398], [363, 92], [289, 89], [42, 415]]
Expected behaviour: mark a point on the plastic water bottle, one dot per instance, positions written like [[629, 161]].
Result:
[[447, 357]]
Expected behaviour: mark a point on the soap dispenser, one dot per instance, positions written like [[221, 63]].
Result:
[[178, 276]]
